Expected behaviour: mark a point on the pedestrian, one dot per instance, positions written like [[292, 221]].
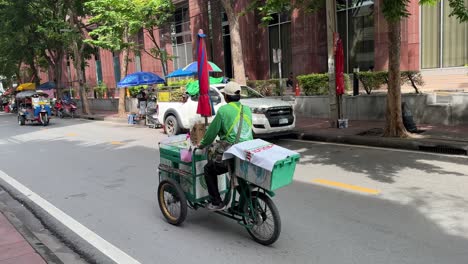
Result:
[[142, 103], [290, 81]]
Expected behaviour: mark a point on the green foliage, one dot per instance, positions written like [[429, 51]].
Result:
[[317, 83], [413, 78], [265, 87], [177, 95], [181, 82], [372, 80], [314, 84], [395, 10], [117, 20], [136, 89], [269, 7], [100, 89], [155, 14]]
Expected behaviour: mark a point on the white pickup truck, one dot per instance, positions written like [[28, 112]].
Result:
[[269, 116]]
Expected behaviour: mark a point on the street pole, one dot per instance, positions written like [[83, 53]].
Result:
[[331, 29]]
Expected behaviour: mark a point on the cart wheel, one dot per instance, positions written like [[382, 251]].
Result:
[[172, 201], [21, 120], [265, 219]]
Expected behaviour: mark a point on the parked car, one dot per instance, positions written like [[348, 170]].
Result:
[[269, 116]]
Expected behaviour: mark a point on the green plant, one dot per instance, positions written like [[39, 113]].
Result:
[[317, 83], [100, 90], [347, 81], [265, 87], [177, 95], [314, 84], [181, 82], [413, 78], [136, 89], [373, 80]]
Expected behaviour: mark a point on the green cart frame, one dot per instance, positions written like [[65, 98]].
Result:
[[248, 204]]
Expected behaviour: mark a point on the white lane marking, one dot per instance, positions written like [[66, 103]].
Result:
[[377, 148], [94, 239]]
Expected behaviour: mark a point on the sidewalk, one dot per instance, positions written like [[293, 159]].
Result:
[[440, 139], [433, 138], [14, 249]]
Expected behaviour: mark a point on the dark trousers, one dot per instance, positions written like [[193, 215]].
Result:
[[212, 170]]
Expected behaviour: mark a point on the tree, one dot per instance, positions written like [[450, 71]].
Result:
[[394, 11], [117, 21], [155, 14], [18, 38], [76, 14], [52, 44], [230, 6]]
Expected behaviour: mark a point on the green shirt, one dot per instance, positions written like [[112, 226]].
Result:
[[226, 122]]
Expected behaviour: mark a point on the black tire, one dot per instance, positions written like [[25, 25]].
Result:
[[171, 126], [21, 120], [266, 211], [177, 195], [44, 119]]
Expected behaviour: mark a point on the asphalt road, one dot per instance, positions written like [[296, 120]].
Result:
[[347, 204]]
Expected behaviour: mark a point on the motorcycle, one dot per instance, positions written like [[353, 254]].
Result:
[[65, 108]]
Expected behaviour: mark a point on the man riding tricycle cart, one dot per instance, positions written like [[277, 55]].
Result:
[[233, 179]]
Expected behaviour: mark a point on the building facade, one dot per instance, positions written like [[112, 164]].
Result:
[[431, 41]]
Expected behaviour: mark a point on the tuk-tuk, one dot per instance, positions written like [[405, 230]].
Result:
[[33, 106]]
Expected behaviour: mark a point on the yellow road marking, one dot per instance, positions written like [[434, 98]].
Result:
[[346, 186], [71, 135], [117, 143]]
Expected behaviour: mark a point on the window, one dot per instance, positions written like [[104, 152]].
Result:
[[181, 38], [97, 58], [355, 21], [116, 58], [279, 31], [228, 69], [444, 41], [141, 46]]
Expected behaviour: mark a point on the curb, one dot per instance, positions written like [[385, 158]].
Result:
[[72, 240], [41, 249], [423, 145]]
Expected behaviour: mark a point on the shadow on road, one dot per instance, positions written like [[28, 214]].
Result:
[[363, 160], [111, 188]]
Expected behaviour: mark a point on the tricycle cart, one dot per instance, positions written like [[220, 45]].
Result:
[[182, 185], [33, 106]]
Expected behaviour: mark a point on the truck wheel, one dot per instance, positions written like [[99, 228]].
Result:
[[171, 126]]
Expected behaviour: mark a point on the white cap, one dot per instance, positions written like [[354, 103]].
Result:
[[232, 88]]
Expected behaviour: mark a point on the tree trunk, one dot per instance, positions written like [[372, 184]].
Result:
[[79, 73], [78, 59], [123, 73], [236, 42], [394, 121], [58, 75]]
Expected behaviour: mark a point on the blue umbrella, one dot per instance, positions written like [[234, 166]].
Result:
[[140, 78], [180, 73], [47, 86]]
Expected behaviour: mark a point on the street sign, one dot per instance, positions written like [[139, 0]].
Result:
[[276, 55]]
